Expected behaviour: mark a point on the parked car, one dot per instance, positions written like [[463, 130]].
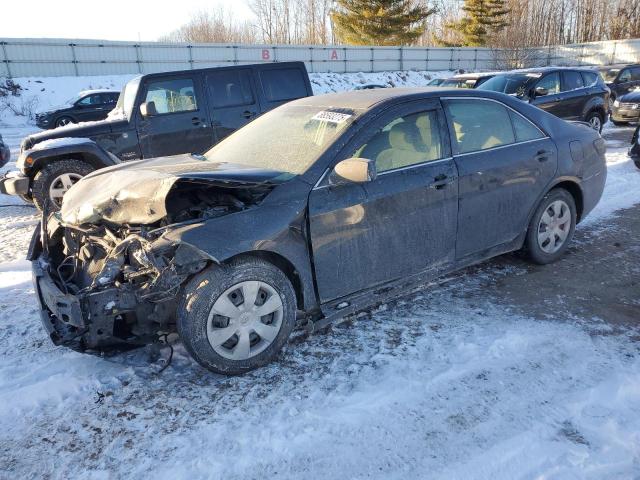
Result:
[[369, 86], [314, 211], [435, 82], [87, 106], [621, 79], [568, 93], [634, 150], [157, 114], [626, 108], [466, 80], [5, 153]]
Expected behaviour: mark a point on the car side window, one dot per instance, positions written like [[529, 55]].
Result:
[[283, 84], [524, 129], [404, 141], [479, 124], [625, 75], [572, 81], [171, 96], [589, 78], [550, 82], [635, 74], [91, 100], [229, 88]]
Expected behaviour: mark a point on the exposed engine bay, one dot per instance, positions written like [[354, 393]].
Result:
[[105, 282]]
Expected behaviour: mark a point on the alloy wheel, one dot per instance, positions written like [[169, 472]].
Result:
[[245, 320], [60, 185], [595, 123], [554, 226]]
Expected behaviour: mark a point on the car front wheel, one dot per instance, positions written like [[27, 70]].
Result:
[[62, 121], [237, 317], [551, 228], [52, 182]]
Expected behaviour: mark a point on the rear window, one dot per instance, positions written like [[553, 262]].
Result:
[[589, 78], [228, 88], [479, 124], [572, 81], [283, 84]]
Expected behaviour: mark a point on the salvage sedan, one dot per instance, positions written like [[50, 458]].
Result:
[[316, 210]]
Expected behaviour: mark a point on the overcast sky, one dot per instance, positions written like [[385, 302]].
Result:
[[112, 20]]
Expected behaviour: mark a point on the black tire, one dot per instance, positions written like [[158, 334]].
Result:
[[64, 120], [202, 292], [43, 179], [595, 114], [620, 124], [534, 251], [637, 162]]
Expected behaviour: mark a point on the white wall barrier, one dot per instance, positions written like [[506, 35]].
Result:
[[24, 57]]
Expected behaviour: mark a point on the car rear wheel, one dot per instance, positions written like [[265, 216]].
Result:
[[596, 120], [551, 228], [237, 317], [62, 121], [52, 182]]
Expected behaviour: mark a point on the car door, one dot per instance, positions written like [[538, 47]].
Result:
[[91, 107], [399, 224], [178, 119], [231, 98], [504, 163], [624, 82], [552, 101], [575, 95], [635, 78]]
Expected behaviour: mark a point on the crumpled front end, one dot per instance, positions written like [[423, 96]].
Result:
[[100, 287]]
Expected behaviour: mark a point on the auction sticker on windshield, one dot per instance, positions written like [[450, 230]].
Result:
[[332, 117]]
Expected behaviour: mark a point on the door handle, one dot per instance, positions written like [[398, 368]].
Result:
[[248, 114], [441, 181], [542, 155], [195, 121]]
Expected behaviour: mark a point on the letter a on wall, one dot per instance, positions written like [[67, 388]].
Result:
[[334, 55]]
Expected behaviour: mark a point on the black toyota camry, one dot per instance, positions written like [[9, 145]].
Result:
[[318, 209]]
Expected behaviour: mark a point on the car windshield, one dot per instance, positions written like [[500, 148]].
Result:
[[515, 84], [73, 100], [610, 75], [126, 99], [287, 139]]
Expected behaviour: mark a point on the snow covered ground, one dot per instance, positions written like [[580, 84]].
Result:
[[451, 383]]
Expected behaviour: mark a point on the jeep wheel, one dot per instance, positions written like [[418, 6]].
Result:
[[596, 121], [52, 182], [551, 228], [62, 121], [237, 317]]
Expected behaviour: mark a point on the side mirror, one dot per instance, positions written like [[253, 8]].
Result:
[[541, 91], [148, 109], [356, 170]]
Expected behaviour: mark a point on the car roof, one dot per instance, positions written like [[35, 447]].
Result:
[[98, 90], [473, 76], [367, 99]]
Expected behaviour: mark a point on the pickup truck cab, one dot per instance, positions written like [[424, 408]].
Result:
[[157, 114]]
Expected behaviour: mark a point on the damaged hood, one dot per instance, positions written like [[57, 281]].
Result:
[[136, 192]]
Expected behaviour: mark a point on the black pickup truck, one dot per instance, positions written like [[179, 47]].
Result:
[[157, 114]]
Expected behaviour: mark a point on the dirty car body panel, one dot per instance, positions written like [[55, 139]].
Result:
[[109, 268]]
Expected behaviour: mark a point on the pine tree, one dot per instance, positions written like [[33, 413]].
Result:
[[482, 18], [379, 22]]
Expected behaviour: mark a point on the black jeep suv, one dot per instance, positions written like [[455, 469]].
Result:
[[87, 106], [156, 115], [568, 93]]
